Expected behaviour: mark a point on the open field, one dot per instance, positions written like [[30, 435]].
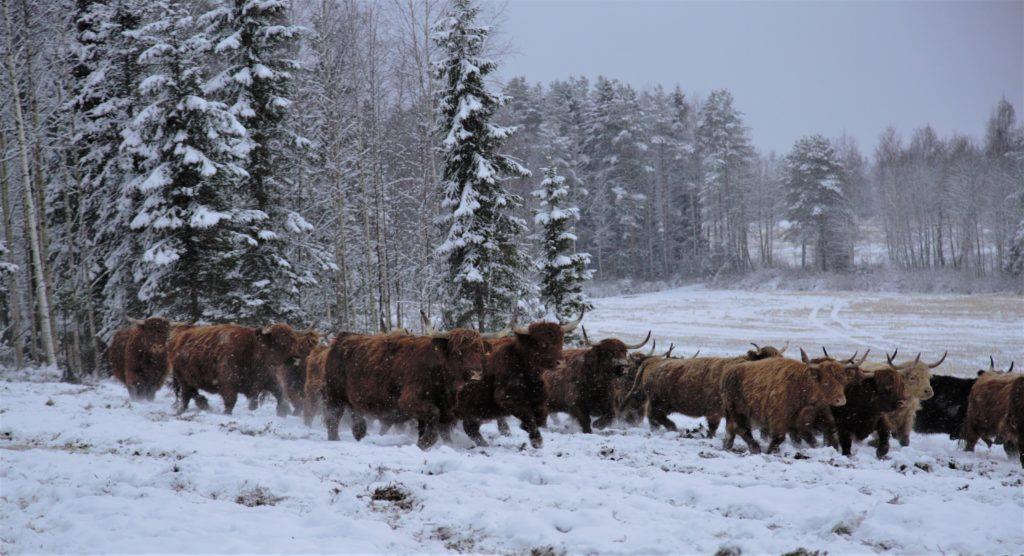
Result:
[[84, 470]]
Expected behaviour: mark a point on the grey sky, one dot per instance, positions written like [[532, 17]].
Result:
[[794, 67]]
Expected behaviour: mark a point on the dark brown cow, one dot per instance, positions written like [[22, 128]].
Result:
[[630, 410], [868, 397], [313, 397], [293, 377], [988, 407], [689, 386], [399, 377], [511, 383], [230, 360], [780, 395], [581, 384], [138, 355]]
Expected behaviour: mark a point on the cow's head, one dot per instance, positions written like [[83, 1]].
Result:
[[609, 356], [283, 346], [890, 389], [462, 351], [917, 374], [765, 352], [832, 376], [148, 346]]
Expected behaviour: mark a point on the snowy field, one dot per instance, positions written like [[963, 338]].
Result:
[[85, 471]]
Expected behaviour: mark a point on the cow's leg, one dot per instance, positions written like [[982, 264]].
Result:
[[883, 439], [332, 416], [427, 432], [970, 438], [445, 432], [358, 426], [905, 425], [385, 426], [472, 428], [528, 422], [503, 427], [846, 441], [310, 407], [583, 418], [1011, 448], [777, 441], [713, 421], [201, 402], [184, 396], [658, 417], [230, 397], [254, 403], [730, 433], [743, 429], [602, 422]]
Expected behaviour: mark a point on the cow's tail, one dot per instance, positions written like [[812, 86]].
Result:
[[636, 391]]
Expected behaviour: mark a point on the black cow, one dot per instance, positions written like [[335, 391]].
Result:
[[946, 410]]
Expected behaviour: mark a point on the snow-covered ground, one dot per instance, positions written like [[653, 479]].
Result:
[[84, 470]]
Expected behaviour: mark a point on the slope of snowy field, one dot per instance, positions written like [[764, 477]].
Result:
[[83, 470]]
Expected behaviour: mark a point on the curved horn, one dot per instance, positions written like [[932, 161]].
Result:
[[1010, 370], [136, 322], [502, 333], [569, 327], [654, 344], [991, 363], [641, 344], [864, 357], [429, 330], [669, 352], [784, 348], [755, 345], [823, 350], [803, 356], [586, 340], [939, 362], [918, 358], [695, 354], [852, 358], [891, 358]]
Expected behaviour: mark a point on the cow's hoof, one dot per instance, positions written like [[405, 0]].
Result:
[[537, 442]]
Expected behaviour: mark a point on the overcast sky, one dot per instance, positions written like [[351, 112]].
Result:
[[794, 67]]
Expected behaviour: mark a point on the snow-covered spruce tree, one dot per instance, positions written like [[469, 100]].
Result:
[[725, 154], [189, 223], [257, 41], [562, 271], [106, 80], [487, 270], [819, 214]]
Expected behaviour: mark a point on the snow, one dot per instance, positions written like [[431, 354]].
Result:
[[85, 470]]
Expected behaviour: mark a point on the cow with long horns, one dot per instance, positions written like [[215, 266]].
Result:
[[689, 386], [399, 377], [581, 384], [992, 409], [781, 395], [917, 376], [511, 383]]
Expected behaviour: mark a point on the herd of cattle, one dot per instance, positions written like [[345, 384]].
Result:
[[442, 377]]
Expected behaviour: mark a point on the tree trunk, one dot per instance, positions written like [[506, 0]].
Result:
[[35, 243], [12, 279]]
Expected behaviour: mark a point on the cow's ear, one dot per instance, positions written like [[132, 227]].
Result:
[[440, 344], [523, 337]]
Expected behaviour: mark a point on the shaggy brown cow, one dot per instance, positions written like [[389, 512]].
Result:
[[1012, 427], [293, 377], [780, 395], [138, 355], [918, 376], [581, 384], [868, 397], [987, 409], [631, 409], [511, 383], [229, 359], [689, 386], [313, 396], [396, 377]]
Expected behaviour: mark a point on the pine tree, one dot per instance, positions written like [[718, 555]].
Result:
[[562, 271], [487, 271], [107, 77], [256, 38], [725, 155], [818, 212], [189, 222]]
